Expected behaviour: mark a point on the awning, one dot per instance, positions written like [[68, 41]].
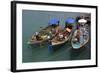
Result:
[[70, 20], [53, 21]]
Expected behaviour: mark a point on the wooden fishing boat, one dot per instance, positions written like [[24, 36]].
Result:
[[78, 42], [45, 34], [81, 35], [65, 34]]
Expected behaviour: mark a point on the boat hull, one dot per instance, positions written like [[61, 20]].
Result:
[[54, 45], [78, 45], [46, 30]]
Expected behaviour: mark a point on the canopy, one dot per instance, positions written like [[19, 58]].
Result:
[[53, 21], [70, 20], [82, 21]]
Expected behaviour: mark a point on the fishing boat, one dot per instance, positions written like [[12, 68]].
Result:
[[45, 34], [81, 35], [65, 34]]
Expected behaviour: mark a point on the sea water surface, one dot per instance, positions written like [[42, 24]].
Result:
[[32, 21]]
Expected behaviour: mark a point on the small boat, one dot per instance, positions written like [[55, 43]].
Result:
[[59, 39], [65, 34], [45, 34], [81, 34]]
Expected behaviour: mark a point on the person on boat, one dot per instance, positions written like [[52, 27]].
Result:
[[68, 26], [37, 35], [83, 31], [66, 32], [78, 34], [61, 36]]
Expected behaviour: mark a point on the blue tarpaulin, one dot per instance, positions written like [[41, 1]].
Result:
[[53, 21], [70, 20]]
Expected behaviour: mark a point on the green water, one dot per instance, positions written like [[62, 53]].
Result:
[[31, 22]]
